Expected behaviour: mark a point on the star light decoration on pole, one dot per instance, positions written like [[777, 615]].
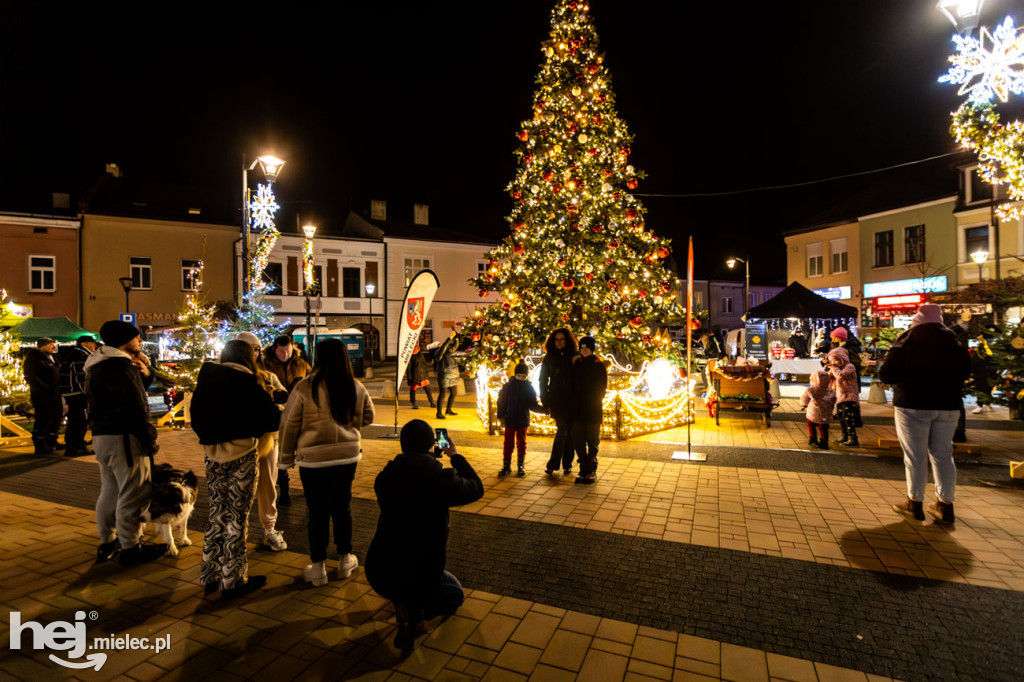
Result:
[[987, 68]]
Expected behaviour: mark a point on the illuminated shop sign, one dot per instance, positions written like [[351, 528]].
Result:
[[898, 302], [905, 286], [834, 293]]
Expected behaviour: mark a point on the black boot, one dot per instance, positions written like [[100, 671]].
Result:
[[140, 554], [521, 471], [506, 469], [283, 497], [42, 447]]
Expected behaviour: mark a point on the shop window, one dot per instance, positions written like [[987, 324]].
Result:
[[350, 283], [42, 273], [913, 244], [840, 255], [976, 239], [815, 260], [142, 272], [413, 266], [191, 275], [727, 305], [272, 276], [883, 249]]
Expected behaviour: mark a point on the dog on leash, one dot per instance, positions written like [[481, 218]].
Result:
[[171, 504]]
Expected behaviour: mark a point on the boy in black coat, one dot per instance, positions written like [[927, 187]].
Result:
[[515, 401], [589, 383]]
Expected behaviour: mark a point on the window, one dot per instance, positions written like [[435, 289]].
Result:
[[815, 260], [727, 305], [413, 266], [883, 249], [427, 333], [350, 283], [481, 269], [913, 244], [753, 299], [272, 275], [190, 275], [979, 189], [765, 295], [840, 257], [142, 272], [976, 239], [42, 273], [318, 278]]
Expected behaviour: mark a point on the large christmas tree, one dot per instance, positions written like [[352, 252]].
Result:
[[579, 254], [12, 385]]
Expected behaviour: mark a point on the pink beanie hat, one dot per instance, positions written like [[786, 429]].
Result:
[[838, 333], [928, 313]]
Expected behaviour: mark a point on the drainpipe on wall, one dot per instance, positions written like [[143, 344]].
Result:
[[387, 290], [81, 223]]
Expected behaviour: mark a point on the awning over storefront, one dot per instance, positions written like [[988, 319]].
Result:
[[57, 328]]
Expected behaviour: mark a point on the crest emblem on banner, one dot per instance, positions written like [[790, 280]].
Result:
[[414, 313]]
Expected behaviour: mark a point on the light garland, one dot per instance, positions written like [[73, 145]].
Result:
[[307, 264], [262, 211], [983, 75], [636, 403], [196, 339], [12, 384]]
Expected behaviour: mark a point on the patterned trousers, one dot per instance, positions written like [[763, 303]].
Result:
[[232, 489]]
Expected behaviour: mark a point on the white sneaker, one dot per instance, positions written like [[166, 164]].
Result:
[[346, 565], [978, 410], [316, 574], [275, 540]]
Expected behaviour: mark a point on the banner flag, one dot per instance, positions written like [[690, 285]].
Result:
[[413, 314]]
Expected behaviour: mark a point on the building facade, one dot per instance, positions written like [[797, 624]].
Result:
[[827, 261], [39, 264]]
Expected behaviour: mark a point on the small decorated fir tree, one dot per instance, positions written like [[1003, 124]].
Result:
[[194, 341], [580, 254], [12, 384]]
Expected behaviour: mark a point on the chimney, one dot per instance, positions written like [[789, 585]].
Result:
[[420, 214], [61, 200], [378, 210], [114, 169]]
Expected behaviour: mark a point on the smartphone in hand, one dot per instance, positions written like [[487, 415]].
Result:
[[443, 441]]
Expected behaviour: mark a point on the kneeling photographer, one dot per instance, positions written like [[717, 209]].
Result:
[[406, 559]]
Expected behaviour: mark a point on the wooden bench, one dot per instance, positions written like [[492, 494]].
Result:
[[962, 448]]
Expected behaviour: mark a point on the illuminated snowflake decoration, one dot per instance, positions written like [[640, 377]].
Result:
[[986, 73], [263, 208]]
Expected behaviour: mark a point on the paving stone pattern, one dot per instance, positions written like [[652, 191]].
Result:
[[897, 626]]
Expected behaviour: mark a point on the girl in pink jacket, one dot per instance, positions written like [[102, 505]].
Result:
[[847, 388], [819, 399]]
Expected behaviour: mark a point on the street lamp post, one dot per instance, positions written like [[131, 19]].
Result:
[[126, 284], [746, 290], [964, 14], [370, 288], [307, 271], [979, 257], [271, 166]]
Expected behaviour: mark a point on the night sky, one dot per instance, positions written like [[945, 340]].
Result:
[[417, 102]]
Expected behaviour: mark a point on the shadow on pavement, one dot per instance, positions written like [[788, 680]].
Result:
[[922, 547]]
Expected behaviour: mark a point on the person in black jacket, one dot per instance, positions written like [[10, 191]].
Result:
[[589, 382], [556, 395], [798, 342], [515, 400], [927, 368], [42, 374], [116, 377], [406, 559], [230, 411], [72, 387], [417, 377]]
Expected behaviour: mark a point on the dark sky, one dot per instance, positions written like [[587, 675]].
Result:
[[418, 102]]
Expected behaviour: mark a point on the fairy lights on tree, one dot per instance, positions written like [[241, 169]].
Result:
[[987, 68], [579, 254], [12, 384], [194, 342]]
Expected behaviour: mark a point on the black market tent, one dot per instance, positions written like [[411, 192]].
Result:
[[57, 328], [800, 302]]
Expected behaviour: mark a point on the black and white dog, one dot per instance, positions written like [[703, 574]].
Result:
[[171, 504]]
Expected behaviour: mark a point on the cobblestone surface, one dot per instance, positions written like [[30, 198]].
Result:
[[898, 626]]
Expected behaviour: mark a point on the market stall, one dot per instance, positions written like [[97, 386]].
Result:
[[59, 329], [741, 387]]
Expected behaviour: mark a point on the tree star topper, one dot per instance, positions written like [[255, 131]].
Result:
[[986, 73], [263, 208]]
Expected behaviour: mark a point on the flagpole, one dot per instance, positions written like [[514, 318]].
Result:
[[689, 338]]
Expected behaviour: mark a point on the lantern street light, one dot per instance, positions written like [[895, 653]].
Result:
[[271, 166], [979, 257], [307, 271], [126, 284], [746, 291], [370, 288], [964, 14]]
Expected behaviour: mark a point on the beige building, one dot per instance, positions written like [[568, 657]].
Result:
[[826, 260], [978, 229]]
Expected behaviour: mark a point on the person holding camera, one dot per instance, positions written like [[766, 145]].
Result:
[[406, 559], [447, 369], [116, 377]]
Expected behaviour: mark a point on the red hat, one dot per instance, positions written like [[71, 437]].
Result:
[[839, 334]]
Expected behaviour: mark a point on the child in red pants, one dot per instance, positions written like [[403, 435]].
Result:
[[515, 401]]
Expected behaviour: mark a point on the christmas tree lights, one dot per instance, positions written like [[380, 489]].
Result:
[[579, 253], [12, 384], [194, 341], [984, 74]]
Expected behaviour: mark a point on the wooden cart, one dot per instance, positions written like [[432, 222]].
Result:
[[745, 380]]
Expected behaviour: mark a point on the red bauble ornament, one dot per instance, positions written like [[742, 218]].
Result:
[[625, 151], [474, 336], [613, 284], [618, 335], [518, 225], [607, 261], [592, 69], [517, 194], [663, 252], [607, 173], [606, 309], [528, 158], [597, 228], [643, 293], [573, 128], [560, 262], [523, 136], [631, 213], [573, 4], [529, 308], [548, 175], [518, 249], [665, 287], [482, 293], [576, 42], [506, 307], [511, 343], [654, 237], [647, 338], [613, 244], [597, 120], [576, 226], [568, 284], [636, 321], [494, 358], [632, 183], [556, 188], [601, 97], [616, 195], [565, 317], [572, 208], [589, 276], [694, 323], [592, 151]]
